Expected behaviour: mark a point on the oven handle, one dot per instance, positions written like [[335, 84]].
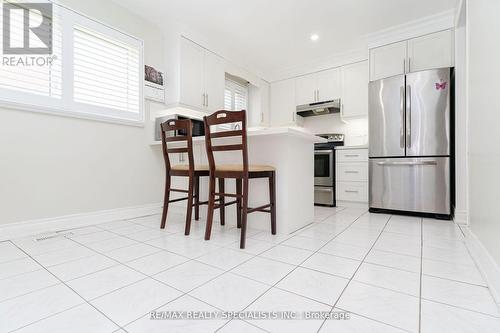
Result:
[[324, 152], [323, 189]]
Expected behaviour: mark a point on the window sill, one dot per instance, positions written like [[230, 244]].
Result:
[[70, 114]]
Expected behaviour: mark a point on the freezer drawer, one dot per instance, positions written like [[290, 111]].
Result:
[[410, 184]]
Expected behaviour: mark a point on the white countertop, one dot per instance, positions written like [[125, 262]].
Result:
[[352, 147], [270, 131]]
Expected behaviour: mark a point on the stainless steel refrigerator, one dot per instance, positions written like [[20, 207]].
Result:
[[410, 143]]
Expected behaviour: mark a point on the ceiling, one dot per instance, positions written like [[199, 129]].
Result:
[[271, 36]]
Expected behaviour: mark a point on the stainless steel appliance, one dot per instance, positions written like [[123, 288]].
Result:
[[324, 169], [198, 126], [410, 143], [319, 108]]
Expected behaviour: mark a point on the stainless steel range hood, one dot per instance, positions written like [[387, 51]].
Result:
[[319, 108]]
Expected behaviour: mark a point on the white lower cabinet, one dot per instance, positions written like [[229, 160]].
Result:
[[351, 174], [352, 191]]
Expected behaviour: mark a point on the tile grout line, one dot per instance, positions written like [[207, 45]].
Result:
[[375, 320], [183, 293], [314, 252], [227, 246], [352, 277], [271, 286], [62, 282]]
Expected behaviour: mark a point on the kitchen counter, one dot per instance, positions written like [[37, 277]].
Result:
[[271, 131]]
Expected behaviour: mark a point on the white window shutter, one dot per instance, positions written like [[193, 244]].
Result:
[[105, 72], [45, 80]]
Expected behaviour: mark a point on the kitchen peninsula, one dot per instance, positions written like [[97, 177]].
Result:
[[291, 151]]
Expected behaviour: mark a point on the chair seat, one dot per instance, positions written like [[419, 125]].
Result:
[[239, 168], [185, 167]]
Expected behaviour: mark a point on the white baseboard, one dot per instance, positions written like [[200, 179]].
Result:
[[487, 265], [32, 227], [461, 217]]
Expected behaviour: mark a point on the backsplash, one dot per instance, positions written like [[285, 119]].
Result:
[[355, 130]]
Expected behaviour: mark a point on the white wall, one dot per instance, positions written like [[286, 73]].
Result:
[[484, 122], [461, 81], [355, 130], [53, 166]]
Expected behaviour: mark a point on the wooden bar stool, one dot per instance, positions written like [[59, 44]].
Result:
[[190, 170], [241, 172]]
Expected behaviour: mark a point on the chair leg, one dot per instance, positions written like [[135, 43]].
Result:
[[197, 198], [272, 201], [222, 209], [238, 203], [189, 206], [211, 204], [244, 213], [166, 200]]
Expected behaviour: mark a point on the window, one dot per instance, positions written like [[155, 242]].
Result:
[[94, 71], [235, 94]]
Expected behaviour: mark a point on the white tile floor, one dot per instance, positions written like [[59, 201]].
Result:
[[391, 273]]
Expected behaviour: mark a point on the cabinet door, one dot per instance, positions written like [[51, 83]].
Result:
[[355, 90], [282, 103], [214, 81], [388, 60], [305, 89], [329, 85], [431, 51], [191, 73]]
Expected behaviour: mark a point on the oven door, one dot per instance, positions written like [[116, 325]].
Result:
[[323, 167]]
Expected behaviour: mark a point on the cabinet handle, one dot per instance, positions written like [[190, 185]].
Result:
[[351, 191], [351, 155], [203, 99], [349, 171], [409, 64], [207, 101], [342, 109], [404, 66]]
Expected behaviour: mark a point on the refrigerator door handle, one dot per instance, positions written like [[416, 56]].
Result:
[[402, 117], [408, 116], [408, 163]]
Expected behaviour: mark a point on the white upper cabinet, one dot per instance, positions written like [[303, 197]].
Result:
[[355, 90], [214, 82], [283, 103], [192, 86], [201, 77], [318, 87], [431, 51], [306, 89], [387, 60], [421, 53], [329, 85]]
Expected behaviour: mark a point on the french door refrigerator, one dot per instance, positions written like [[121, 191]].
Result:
[[410, 143]]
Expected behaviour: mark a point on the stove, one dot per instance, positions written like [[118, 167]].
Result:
[[324, 169]]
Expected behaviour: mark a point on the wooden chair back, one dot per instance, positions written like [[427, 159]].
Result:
[[178, 126], [220, 118]]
